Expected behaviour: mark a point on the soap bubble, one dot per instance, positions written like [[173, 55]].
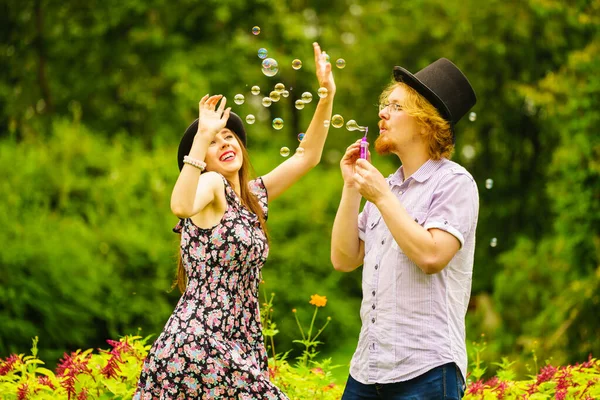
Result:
[[256, 30], [238, 99], [326, 123], [278, 123], [340, 63], [300, 151], [472, 116], [285, 93], [322, 92], [327, 58], [296, 64], [337, 121], [306, 97], [493, 242], [351, 125], [275, 96], [280, 87], [299, 104], [250, 119], [270, 67], [284, 151], [300, 137], [255, 90], [489, 183], [468, 151], [266, 101], [262, 53]]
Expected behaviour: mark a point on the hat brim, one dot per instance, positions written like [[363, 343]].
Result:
[[402, 75]]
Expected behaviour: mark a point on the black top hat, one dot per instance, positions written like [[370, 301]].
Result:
[[444, 86], [234, 124]]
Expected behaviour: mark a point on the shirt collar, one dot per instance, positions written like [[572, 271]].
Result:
[[421, 175]]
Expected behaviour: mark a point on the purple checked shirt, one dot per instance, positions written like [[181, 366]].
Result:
[[413, 322]]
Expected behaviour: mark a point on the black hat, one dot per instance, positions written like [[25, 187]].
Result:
[[444, 86], [234, 124]]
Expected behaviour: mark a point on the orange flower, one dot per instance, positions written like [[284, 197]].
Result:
[[318, 301], [293, 310], [329, 387]]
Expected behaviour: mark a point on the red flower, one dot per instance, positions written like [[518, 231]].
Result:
[[502, 386], [119, 347], [22, 392], [532, 389], [74, 363], [546, 374], [492, 382], [112, 369], [83, 395], [7, 365], [561, 394], [476, 387], [44, 380]]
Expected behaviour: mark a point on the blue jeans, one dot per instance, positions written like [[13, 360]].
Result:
[[443, 382]]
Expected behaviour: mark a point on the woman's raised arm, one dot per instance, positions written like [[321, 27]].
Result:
[[290, 171]]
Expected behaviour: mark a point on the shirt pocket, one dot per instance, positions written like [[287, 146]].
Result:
[[371, 232], [419, 218]]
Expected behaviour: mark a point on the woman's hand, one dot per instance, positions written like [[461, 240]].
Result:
[[211, 119], [324, 74]]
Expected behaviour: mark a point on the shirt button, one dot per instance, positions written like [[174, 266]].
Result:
[[383, 241], [373, 306], [373, 292], [373, 320], [376, 267]]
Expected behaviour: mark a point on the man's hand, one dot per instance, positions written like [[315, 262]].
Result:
[[369, 181]]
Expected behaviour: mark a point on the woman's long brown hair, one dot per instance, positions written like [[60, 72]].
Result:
[[248, 199]]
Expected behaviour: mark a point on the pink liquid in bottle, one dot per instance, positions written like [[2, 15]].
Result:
[[364, 145]]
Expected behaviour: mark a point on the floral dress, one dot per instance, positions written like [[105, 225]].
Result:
[[212, 345]]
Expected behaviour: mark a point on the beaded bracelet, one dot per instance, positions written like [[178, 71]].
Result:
[[201, 165]]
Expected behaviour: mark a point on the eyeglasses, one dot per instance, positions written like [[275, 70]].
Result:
[[392, 107]]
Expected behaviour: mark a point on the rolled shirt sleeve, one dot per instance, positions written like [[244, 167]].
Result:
[[454, 205]]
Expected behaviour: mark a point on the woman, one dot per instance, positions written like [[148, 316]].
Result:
[[212, 346]]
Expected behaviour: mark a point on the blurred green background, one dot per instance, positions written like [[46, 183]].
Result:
[[95, 95]]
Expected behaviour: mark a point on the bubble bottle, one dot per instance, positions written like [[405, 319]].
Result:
[[364, 145]]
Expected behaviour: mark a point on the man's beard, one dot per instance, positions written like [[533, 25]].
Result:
[[383, 146]]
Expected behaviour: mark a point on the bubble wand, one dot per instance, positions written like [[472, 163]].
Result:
[[364, 144]]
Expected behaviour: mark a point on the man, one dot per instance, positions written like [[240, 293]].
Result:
[[415, 239]]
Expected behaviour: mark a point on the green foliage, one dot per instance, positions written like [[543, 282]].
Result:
[[93, 101], [113, 374], [581, 381], [72, 250], [564, 264], [308, 377], [108, 374]]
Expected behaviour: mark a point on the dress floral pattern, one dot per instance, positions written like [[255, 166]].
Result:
[[212, 345]]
